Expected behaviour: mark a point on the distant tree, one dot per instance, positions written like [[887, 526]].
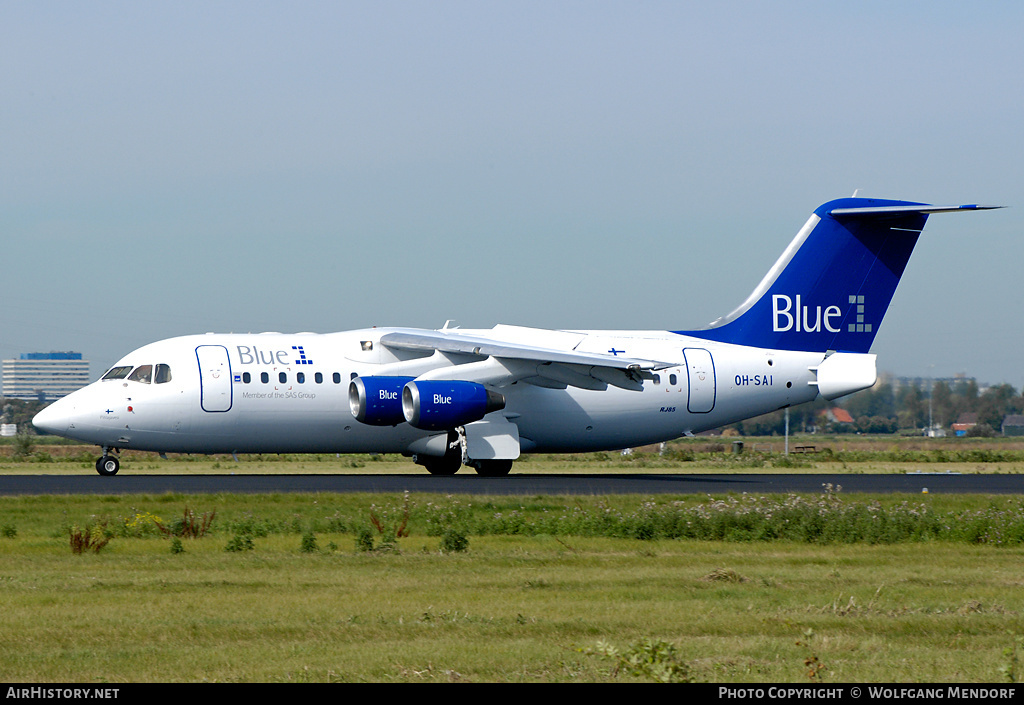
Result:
[[18, 411], [942, 404], [995, 403], [875, 424], [981, 430], [881, 409], [911, 407], [967, 389], [876, 401], [765, 425]]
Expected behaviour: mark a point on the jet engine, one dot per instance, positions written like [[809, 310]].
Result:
[[377, 401], [437, 405]]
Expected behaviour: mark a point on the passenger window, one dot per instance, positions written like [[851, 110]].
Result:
[[657, 380], [118, 372], [318, 378], [672, 379], [337, 378], [282, 377], [142, 373], [300, 377], [264, 377], [246, 377], [163, 374]]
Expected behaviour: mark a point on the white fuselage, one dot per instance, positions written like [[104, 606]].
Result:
[[277, 393]]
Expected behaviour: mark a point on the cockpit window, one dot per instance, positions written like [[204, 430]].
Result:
[[118, 372], [142, 373], [163, 374]]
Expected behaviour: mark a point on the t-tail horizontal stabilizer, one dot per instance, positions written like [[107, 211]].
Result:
[[831, 287]]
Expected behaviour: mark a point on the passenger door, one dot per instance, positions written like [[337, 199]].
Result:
[[214, 378], [700, 372]]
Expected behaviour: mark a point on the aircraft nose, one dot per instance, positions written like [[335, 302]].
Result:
[[55, 418]]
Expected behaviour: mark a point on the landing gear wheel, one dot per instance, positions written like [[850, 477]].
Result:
[[447, 464], [492, 468], [440, 466], [108, 465]]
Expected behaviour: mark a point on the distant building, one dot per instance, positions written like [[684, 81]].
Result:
[[926, 384], [964, 423], [44, 376], [1013, 425], [837, 415]]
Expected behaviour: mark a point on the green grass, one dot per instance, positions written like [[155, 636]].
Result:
[[540, 607], [832, 454]]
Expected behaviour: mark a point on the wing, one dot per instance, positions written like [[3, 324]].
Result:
[[499, 361]]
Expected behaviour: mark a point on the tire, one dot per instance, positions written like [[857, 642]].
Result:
[[492, 468], [441, 466], [108, 465], [449, 463]]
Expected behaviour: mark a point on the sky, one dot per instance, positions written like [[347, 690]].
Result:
[[184, 167]]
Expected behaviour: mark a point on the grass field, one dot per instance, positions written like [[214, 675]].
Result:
[[350, 588]]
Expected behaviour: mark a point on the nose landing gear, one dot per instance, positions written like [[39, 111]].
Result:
[[108, 464]]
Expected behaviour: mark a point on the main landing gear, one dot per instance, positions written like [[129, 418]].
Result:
[[108, 464], [454, 458], [450, 466]]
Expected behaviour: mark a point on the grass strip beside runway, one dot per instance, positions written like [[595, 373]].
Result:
[[370, 588]]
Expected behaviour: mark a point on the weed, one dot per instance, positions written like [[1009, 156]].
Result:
[[725, 575], [391, 524], [652, 659], [309, 543], [176, 546], [23, 446], [239, 543], [8, 531], [788, 461], [364, 539], [1011, 660], [190, 526], [454, 540], [827, 519], [815, 668], [140, 524], [255, 526], [91, 538]]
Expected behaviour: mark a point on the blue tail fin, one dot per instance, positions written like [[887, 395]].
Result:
[[834, 282]]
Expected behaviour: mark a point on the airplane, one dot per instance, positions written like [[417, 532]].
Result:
[[455, 397]]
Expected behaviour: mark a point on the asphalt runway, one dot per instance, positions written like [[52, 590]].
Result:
[[515, 484]]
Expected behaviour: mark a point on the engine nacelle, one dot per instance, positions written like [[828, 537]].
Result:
[[377, 401], [436, 405], [840, 374]]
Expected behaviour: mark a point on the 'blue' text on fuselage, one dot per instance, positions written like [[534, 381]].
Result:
[[254, 356]]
